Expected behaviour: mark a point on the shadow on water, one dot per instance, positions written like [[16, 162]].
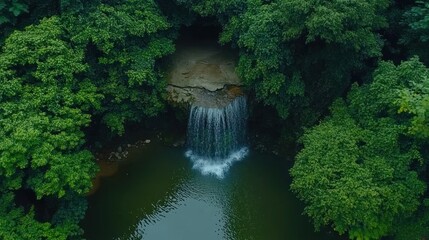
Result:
[[156, 196]]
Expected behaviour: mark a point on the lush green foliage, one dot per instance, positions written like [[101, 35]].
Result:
[[55, 77], [414, 227], [354, 171], [123, 41], [10, 9], [43, 107], [417, 18], [287, 45], [83, 63], [416, 37], [414, 97]]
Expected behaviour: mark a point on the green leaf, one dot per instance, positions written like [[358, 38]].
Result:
[[17, 8]]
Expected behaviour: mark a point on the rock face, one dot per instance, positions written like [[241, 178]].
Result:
[[203, 74]]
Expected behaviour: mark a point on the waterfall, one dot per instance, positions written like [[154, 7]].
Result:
[[217, 136]]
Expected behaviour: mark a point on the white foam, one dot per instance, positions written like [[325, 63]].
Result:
[[216, 167]]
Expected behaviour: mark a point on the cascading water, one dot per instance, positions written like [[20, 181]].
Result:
[[217, 136]]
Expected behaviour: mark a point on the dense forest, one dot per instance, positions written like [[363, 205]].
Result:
[[346, 83]]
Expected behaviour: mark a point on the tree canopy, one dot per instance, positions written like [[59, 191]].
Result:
[[56, 76], [359, 168], [286, 45], [416, 35], [123, 42], [69, 65], [43, 108]]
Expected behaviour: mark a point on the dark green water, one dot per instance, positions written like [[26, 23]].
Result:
[[157, 196]]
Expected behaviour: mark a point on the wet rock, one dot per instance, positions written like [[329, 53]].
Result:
[[203, 75], [203, 66], [179, 143], [125, 154]]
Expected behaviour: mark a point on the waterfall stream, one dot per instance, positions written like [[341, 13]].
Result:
[[217, 136]]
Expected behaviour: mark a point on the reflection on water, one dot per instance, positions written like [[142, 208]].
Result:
[[191, 214], [158, 196]]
